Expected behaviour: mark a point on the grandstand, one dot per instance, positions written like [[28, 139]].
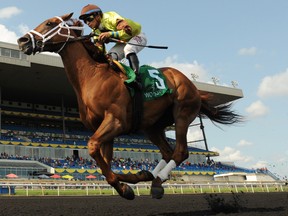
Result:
[[39, 121]]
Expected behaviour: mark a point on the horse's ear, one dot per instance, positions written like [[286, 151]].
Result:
[[67, 16]]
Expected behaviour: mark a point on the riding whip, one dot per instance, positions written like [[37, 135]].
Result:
[[148, 46]]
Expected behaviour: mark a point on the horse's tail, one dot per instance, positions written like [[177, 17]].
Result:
[[222, 114]]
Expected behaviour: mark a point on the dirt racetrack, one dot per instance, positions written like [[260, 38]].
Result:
[[263, 204]]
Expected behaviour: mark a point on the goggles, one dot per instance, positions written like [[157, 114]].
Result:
[[89, 19]]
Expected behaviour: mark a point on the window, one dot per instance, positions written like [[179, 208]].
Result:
[[15, 54], [5, 52], [12, 53]]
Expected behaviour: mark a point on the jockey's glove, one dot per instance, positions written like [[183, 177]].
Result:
[[104, 37]]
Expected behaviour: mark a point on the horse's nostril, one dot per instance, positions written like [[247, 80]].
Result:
[[23, 40]]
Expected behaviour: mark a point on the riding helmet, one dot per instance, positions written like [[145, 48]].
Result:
[[88, 10]]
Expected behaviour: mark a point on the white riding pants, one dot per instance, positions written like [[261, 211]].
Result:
[[119, 51]]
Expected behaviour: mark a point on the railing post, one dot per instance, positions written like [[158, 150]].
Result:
[[281, 187], [27, 193], [113, 191], [137, 189], [236, 189], [261, 186], [246, 187], [194, 189]]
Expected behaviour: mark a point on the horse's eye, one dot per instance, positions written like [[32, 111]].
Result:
[[48, 23]]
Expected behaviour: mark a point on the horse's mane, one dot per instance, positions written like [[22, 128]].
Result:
[[94, 52], [98, 55], [77, 23]]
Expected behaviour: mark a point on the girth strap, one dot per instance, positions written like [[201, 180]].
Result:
[[137, 100], [137, 110]]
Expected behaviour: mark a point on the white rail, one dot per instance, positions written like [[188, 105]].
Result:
[[89, 189]]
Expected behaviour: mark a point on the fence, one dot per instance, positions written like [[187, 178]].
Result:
[[90, 189]]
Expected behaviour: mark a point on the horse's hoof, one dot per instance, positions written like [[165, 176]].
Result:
[[157, 192], [145, 175], [128, 192]]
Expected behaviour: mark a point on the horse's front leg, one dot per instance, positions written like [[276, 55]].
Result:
[[100, 148], [141, 176]]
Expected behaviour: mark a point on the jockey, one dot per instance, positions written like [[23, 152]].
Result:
[[111, 25]]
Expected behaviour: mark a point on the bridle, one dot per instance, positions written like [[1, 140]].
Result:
[[38, 45]]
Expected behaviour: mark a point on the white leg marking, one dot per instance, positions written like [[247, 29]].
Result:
[[162, 163], [163, 174]]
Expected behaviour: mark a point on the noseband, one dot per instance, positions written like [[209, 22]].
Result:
[[38, 45]]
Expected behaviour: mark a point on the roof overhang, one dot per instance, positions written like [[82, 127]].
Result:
[[41, 79]]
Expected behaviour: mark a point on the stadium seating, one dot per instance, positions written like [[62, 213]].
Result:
[[40, 128]]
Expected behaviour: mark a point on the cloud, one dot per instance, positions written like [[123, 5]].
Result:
[[170, 134], [186, 68], [257, 109], [260, 164], [248, 51], [275, 85], [229, 154], [7, 36], [8, 12], [194, 134], [10, 36], [243, 143], [23, 29]]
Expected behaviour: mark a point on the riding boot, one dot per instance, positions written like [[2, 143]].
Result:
[[134, 64]]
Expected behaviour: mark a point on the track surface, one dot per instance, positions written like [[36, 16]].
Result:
[[263, 204]]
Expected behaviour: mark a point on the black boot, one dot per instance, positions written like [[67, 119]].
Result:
[[134, 64]]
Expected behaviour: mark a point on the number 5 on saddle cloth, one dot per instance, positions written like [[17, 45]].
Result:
[[153, 86], [153, 82]]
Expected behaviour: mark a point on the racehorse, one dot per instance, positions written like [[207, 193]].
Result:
[[105, 105]]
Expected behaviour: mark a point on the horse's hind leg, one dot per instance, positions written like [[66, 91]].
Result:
[[158, 138], [184, 113]]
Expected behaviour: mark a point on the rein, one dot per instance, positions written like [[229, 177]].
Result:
[[84, 37]]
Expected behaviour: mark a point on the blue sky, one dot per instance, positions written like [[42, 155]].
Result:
[[243, 41]]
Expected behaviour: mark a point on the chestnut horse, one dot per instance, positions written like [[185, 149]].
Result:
[[105, 105]]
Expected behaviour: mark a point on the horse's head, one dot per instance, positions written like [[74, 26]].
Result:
[[51, 35]]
